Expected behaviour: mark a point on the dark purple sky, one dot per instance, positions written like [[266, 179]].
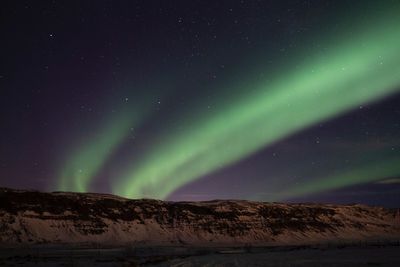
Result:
[[66, 66]]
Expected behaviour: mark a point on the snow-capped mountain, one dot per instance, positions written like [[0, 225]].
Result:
[[30, 217]]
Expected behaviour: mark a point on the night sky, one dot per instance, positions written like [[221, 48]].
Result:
[[197, 100]]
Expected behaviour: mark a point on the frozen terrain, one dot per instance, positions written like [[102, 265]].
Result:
[[30, 217], [317, 256]]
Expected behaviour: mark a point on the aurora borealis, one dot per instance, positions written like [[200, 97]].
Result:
[[271, 101], [355, 75], [95, 151]]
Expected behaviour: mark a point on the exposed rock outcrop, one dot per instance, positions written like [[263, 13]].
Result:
[[28, 217]]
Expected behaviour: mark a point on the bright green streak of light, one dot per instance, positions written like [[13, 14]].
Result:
[[362, 174], [350, 73], [83, 164]]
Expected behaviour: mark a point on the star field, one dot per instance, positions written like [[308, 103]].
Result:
[[265, 100]]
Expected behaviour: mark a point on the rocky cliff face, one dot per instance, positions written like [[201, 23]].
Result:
[[35, 217]]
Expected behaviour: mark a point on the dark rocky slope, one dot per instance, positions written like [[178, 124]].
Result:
[[28, 217]]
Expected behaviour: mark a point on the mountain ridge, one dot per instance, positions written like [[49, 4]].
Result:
[[34, 217]]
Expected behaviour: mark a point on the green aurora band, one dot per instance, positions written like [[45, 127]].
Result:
[[390, 167], [84, 164], [362, 67]]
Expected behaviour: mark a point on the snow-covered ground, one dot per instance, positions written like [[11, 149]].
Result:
[[283, 257], [30, 217]]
